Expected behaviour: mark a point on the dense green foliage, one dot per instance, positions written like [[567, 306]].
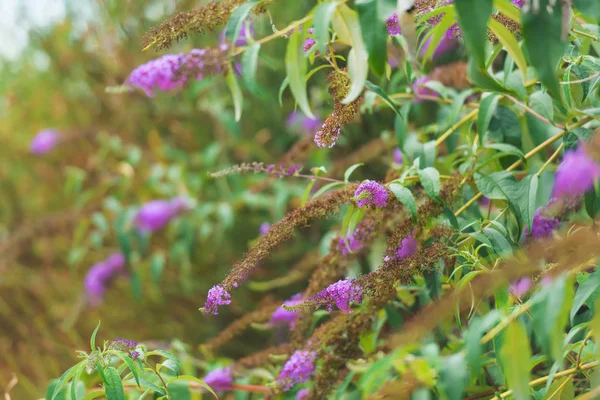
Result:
[[365, 199]]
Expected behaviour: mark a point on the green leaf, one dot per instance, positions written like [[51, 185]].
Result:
[[510, 43], [405, 196], [236, 92], [542, 36], [249, 66], [477, 327], [151, 386], [93, 337], [515, 355], [561, 389], [113, 385], [236, 20], [584, 292], [501, 245], [321, 21], [75, 381], [169, 356], [378, 91], [430, 179], [189, 378], [130, 364], [346, 25], [93, 395], [295, 66], [350, 170], [502, 185], [528, 205], [284, 84], [486, 111], [572, 138], [541, 102], [64, 379], [454, 376], [328, 187], [480, 77], [401, 125], [473, 16], [374, 34]]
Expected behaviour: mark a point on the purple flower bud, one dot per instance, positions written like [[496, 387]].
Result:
[[220, 380], [100, 275], [518, 3], [242, 39], [217, 296], [576, 174], [298, 369], [264, 228], [353, 243], [285, 317], [408, 247], [302, 394], [44, 141], [155, 214], [341, 293], [397, 154], [393, 25], [300, 123], [519, 288], [308, 44], [371, 193], [419, 89], [444, 46]]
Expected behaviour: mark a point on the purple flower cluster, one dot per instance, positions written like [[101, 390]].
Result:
[[217, 296], [220, 380], [397, 155], [393, 25], [445, 45], [44, 141], [100, 275], [302, 394], [155, 214], [281, 316], [407, 248], [520, 287], [420, 90], [298, 369], [341, 293], [371, 193], [354, 244], [542, 225], [124, 345], [576, 174], [328, 138], [298, 122]]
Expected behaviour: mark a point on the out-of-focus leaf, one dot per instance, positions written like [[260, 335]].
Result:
[[454, 376], [486, 111], [477, 327], [249, 65], [295, 66], [377, 90], [350, 170], [430, 179], [405, 196], [515, 354], [374, 34], [113, 387], [510, 43], [473, 16], [322, 20], [236, 93], [236, 20]]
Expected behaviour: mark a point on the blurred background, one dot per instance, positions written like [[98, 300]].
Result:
[[64, 210]]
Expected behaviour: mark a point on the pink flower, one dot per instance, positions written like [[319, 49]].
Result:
[[155, 214], [220, 380], [44, 141], [302, 394], [397, 155], [519, 288], [353, 243], [576, 174], [100, 276]]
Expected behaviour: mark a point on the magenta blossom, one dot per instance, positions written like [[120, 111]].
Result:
[[158, 74], [298, 369], [281, 316], [341, 293], [302, 394], [519, 288], [397, 155], [419, 89], [300, 123], [308, 44], [217, 296], [393, 25], [220, 380], [242, 39], [264, 228], [407, 248], [543, 224], [371, 193], [44, 141], [155, 214], [100, 275], [444, 46], [576, 174], [353, 243]]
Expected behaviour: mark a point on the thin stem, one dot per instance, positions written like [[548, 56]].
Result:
[[533, 112], [589, 78], [552, 157], [591, 36], [457, 125], [161, 379]]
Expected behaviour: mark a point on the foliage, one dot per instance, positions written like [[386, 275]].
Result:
[[423, 225]]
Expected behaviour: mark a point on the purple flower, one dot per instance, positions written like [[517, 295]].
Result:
[[445, 45], [298, 369], [518, 3], [217, 296], [264, 228], [341, 293], [328, 138], [302, 394], [300, 123], [371, 193], [155, 214], [242, 39], [44, 141], [519, 288], [285, 317], [407, 248], [397, 154], [219, 380], [308, 44], [576, 174], [100, 275], [134, 355], [353, 243], [292, 170], [453, 32], [393, 25], [542, 225], [420, 89], [124, 345], [160, 73]]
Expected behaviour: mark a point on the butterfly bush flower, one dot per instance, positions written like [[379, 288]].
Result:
[[302, 394], [298, 369], [393, 25], [397, 155], [220, 380], [155, 214], [576, 174], [299, 122], [100, 275], [542, 225], [518, 3], [341, 293], [520, 287], [444, 46], [419, 89], [242, 39], [124, 345], [217, 296], [44, 141], [354, 244], [407, 248], [371, 193], [281, 316], [264, 228]]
